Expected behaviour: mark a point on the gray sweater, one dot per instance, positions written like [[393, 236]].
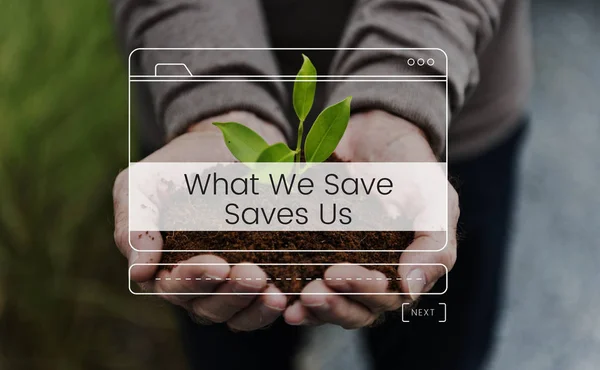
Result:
[[487, 43]]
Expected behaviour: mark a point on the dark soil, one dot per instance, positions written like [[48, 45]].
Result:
[[308, 240]]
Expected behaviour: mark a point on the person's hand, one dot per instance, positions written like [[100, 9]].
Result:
[[202, 143], [377, 136]]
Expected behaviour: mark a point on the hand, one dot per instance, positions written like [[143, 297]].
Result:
[[202, 143], [377, 136]]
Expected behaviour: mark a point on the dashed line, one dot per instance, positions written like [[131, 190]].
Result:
[[287, 278]]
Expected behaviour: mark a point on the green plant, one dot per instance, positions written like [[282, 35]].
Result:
[[322, 139]]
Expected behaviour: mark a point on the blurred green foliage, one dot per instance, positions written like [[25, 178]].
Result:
[[64, 302]]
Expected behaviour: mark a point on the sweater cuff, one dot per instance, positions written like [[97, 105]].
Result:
[[422, 103], [211, 99]]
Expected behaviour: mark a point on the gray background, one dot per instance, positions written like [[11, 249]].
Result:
[[552, 318], [552, 312]]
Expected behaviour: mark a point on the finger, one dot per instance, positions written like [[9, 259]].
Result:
[[262, 312], [199, 274], [357, 279], [335, 309], [421, 270], [132, 245], [419, 279], [296, 314], [234, 295]]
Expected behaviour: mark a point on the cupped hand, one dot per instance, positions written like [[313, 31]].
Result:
[[377, 136], [236, 304]]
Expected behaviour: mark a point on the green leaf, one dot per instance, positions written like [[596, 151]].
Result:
[[304, 89], [245, 144], [327, 131], [277, 153]]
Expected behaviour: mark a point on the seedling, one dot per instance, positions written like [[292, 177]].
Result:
[[321, 141]]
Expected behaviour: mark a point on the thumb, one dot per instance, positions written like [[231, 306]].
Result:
[[430, 257]]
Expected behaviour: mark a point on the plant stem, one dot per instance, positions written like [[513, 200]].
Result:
[[299, 143]]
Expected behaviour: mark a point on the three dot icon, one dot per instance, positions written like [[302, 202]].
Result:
[[420, 62]]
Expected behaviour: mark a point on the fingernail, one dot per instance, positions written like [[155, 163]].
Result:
[[245, 287], [305, 322], [416, 283], [339, 285], [133, 257], [319, 305], [277, 302]]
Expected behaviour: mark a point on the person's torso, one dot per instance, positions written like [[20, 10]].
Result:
[[492, 110]]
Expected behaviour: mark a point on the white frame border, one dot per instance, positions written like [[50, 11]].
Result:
[[129, 82], [285, 264]]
